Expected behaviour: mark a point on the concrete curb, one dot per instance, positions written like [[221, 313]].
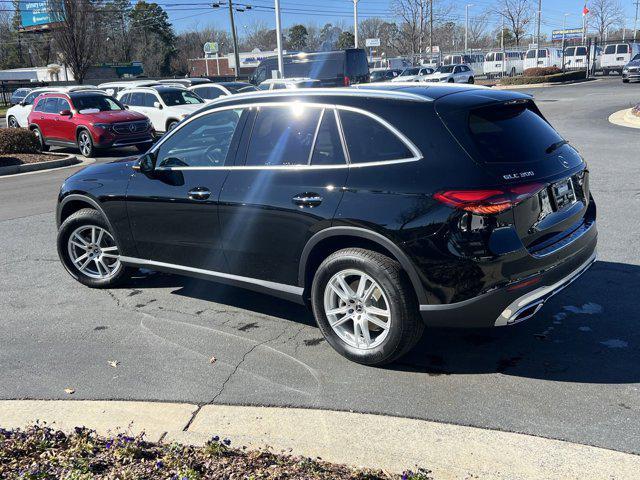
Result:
[[625, 118], [33, 167], [390, 443], [543, 85]]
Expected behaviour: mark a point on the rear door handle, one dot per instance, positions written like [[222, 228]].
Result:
[[307, 199], [199, 193]]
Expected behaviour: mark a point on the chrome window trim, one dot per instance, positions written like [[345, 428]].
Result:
[[343, 141], [416, 153]]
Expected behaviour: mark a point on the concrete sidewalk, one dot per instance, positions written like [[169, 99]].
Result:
[[390, 443]]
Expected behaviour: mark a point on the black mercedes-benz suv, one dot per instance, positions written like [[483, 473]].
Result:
[[385, 208]]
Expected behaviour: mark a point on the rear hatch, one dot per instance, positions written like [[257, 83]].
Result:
[[507, 136]]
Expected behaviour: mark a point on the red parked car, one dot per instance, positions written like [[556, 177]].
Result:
[[88, 120]]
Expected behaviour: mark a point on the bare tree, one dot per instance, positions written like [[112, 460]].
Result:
[[517, 15], [414, 27], [477, 35], [604, 15], [79, 34]]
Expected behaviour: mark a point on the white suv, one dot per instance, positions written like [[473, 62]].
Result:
[[459, 73], [164, 105], [17, 116]]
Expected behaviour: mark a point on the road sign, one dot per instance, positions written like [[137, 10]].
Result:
[[372, 42], [568, 33], [210, 48]]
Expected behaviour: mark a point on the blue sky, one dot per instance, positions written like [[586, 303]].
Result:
[[187, 13]]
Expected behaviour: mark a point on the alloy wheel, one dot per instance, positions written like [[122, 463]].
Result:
[[13, 123], [94, 252], [357, 309], [85, 144]]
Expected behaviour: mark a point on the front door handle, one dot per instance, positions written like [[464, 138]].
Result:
[[307, 199], [199, 193]]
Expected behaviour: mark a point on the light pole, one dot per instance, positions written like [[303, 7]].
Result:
[[355, 23], [635, 22], [538, 32], [279, 41], [466, 26], [564, 27]]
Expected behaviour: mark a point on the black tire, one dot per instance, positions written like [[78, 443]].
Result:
[[471, 80], [87, 217], [625, 80], [12, 122], [451, 80], [406, 326], [85, 143], [605, 72], [43, 147], [171, 125]]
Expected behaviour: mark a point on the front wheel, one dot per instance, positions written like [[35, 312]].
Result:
[[85, 144], [43, 147], [365, 306], [12, 122], [89, 252]]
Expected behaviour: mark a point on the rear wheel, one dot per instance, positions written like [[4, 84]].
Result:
[[471, 80], [85, 144], [450, 80], [365, 306], [43, 147], [89, 252], [625, 80], [605, 71], [12, 122], [171, 125]]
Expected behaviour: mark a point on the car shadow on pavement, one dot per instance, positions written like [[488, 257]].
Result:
[[588, 333]]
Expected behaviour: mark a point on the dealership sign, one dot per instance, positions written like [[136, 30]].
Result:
[[372, 42], [37, 14], [568, 33]]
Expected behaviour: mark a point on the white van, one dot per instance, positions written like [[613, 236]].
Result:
[[112, 88], [512, 65], [547, 57], [575, 58], [616, 56], [474, 60]]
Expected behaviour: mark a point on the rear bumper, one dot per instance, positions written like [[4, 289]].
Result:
[[506, 306]]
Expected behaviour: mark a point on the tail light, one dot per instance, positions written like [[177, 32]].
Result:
[[347, 81], [488, 201]]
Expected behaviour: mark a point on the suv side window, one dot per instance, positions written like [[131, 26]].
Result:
[[203, 142], [29, 99], [149, 99], [282, 136], [63, 104], [327, 149], [209, 92], [368, 140], [137, 99], [40, 105], [51, 106], [125, 98]]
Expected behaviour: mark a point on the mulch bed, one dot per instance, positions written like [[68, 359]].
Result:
[[636, 110], [42, 453], [7, 160]]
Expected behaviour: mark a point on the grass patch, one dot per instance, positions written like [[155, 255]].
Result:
[[553, 78], [42, 453]]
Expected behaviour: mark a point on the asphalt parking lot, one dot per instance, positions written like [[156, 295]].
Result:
[[572, 372]]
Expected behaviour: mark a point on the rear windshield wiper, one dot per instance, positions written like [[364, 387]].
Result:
[[554, 146]]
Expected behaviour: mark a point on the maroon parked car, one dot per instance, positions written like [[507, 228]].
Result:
[[88, 120]]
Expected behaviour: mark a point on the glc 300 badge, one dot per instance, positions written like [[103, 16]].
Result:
[[515, 176]]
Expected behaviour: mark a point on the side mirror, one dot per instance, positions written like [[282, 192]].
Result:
[[146, 163], [157, 105], [65, 113]]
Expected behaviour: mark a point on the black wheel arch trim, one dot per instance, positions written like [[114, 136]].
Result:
[[91, 202], [366, 234]]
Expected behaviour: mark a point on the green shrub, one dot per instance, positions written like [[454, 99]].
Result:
[[17, 140], [558, 77], [541, 71]]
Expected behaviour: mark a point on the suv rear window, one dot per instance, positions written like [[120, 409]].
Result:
[[370, 141], [514, 133]]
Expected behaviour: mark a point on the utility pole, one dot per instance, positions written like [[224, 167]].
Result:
[[466, 26], [279, 41], [538, 32], [564, 27], [430, 29], [235, 39], [635, 22], [502, 48], [355, 23]]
